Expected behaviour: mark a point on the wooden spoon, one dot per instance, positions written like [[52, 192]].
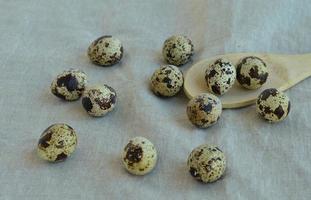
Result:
[[284, 72]]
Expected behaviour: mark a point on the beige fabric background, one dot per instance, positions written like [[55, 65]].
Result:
[[39, 39]]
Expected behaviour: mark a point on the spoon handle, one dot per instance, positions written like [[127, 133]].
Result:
[[296, 68]]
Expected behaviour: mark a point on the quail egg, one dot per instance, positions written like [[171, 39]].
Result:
[[105, 51], [177, 50], [99, 100], [206, 163], [57, 142], [139, 156], [252, 72], [273, 105], [204, 110], [220, 76], [167, 81], [69, 85]]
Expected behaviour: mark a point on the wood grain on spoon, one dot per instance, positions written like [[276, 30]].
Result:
[[285, 71]]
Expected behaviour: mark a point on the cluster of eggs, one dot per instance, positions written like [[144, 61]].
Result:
[[139, 156], [251, 73], [205, 109], [59, 141], [206, 163], [70, 85]]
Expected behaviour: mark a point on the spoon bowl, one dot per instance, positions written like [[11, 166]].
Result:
[[285, 71]]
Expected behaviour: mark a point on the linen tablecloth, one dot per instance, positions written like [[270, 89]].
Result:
[[39, 39]]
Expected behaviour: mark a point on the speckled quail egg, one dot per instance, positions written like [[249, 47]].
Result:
[[105, 51], [139, 156], [204, 110], [167, 81], [99, 100], [252, 72], [57, 142], [207, 163], [69, 85], [273, 105], [177, 50], [220, 76]]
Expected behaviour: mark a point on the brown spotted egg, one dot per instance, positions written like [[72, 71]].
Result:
[[69, 85], [273, 105], [206, 163], [220, 76], [177, 50], [139, 156], [57, 142], [204, 110], [99, 100], [167, 81], [252, 72], [105, 51]]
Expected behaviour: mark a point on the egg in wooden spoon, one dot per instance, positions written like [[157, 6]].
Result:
[[285, 71]]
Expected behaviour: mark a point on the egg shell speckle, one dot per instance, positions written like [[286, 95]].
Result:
[[207, 163], [204, 110], [252, 72], [69, 85], [167, 81], [105, 51], [177, 50], [273, 105], [99, 100], [57, 142], [220, 76], [139, 156]]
